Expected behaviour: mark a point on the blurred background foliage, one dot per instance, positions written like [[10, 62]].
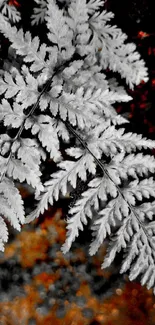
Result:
[[38, 284]]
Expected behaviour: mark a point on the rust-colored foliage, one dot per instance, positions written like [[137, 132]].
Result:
[[14, 3], [20, 310], [130, 303], [31, 246], [142, 34]]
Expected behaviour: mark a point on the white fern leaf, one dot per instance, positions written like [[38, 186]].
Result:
[[123, 58], [109, 217], [62, 131], [146, 210], [94, 5], [69, 171], [133, 141], [44, 127], [99, 188], [39, 13], [24, 90], [25, 46], [68, 106], [5, 144], [139, 190], [13, 117], [59, 34], [133, 251], [112, 141], [3, 234], [30, 153], [133, 165], [62, 94], [120, 241], [13, 198], [78, 22], [80, 212], [22, 172], [5, 211], [11, 13], [2, 2], [102, 227]]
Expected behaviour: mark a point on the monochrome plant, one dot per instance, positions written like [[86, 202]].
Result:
[[9, 11], [58, 94]]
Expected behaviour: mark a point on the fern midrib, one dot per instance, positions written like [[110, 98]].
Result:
[[34, 107], [84, 144]]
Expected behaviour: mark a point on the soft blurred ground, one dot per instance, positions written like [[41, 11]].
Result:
[[39, 285]]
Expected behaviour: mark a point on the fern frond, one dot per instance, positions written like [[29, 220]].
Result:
[[30, 49], [56, 93], [11, 12], [59, 31], [10, 199], [133, 165], [99, 188], [94, 5], [146, 210], [13, 117], [24, 87], [78, 22], [29, 152], [39, 13], [12, 195], [111, 141], [18, 170], [69, 171], [44, 127], [139, 190]]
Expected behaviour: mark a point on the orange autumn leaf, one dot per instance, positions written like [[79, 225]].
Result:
[[149, 51], [55, 225], [23, 191], [10, 250], [34, 247], [46, 279], [14, 3], [84, 290], [153, 82], [142, 34], [21, 309]]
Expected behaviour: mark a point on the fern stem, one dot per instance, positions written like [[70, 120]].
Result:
[[34, 107], [100, 164]]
